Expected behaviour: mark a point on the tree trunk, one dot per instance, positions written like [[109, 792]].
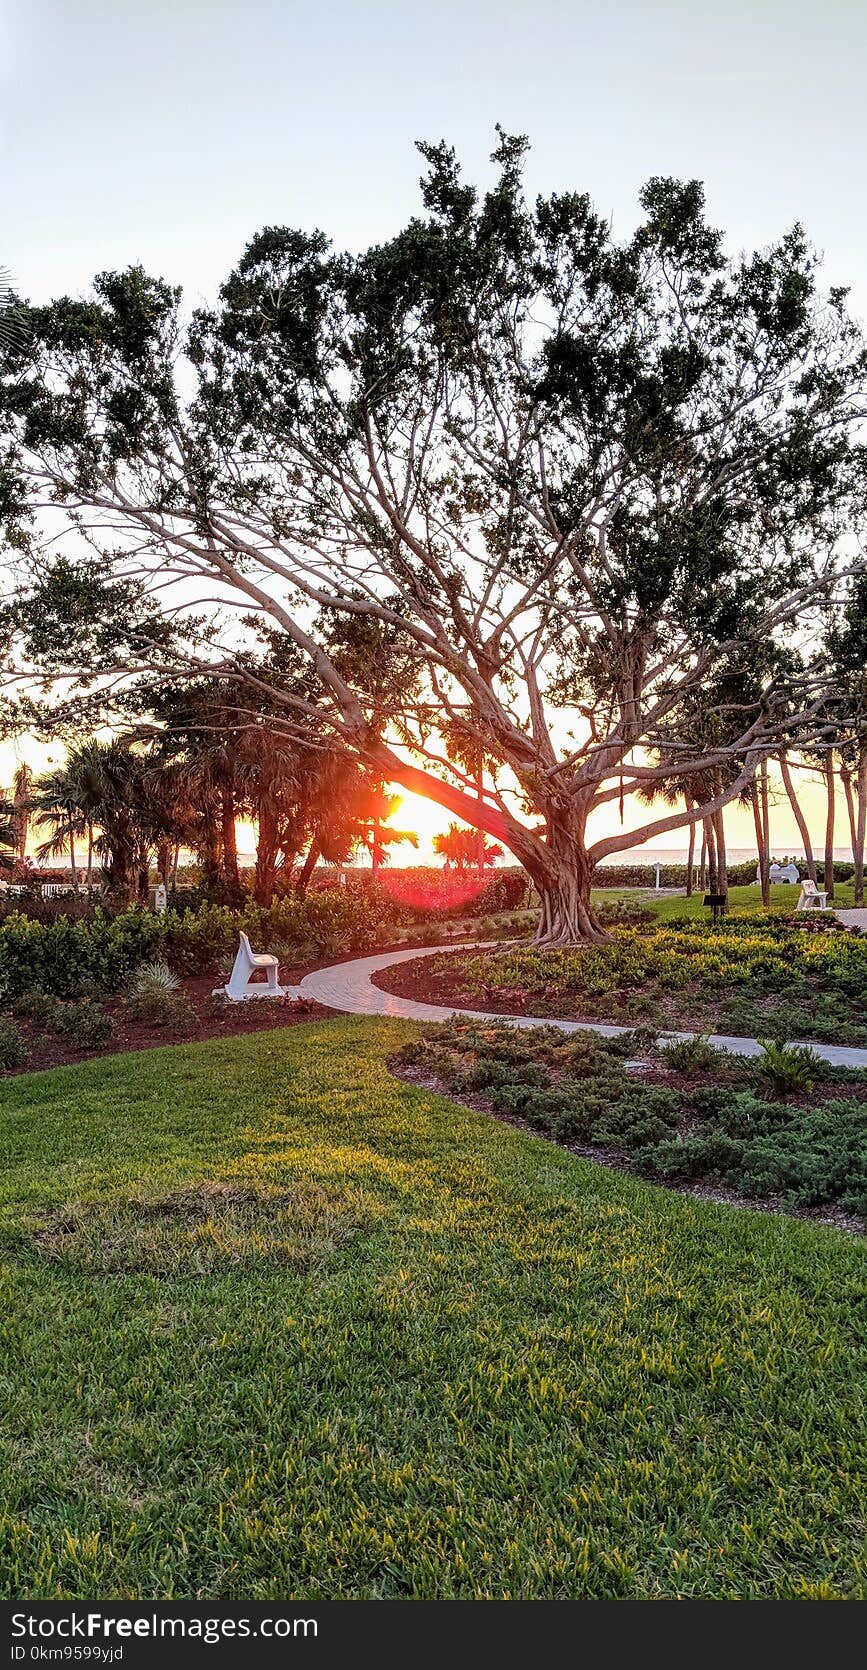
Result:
[[710, 855], [208, 847], [799, 817], [480, 833], [846, 780], [120, 859], [73, 867], [830, 788], [267, 846], [766, 819], [563, 883], [143, 866], [764, 866], [722, 879], [860, 826], [702, 870], [690, 856], [89, 859], [307, 869], [229, 838], [22, 820], [375, 848]]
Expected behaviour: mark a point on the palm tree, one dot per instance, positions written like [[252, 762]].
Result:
[[22, 789], [376, 807], [8, 835], [693, 790], [462, 849], [86, 769], [55, 806], [794, 802], [11, 326]]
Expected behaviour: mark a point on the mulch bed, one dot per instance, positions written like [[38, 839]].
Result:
[[416, 980], [225, 1020], [212, 1020]]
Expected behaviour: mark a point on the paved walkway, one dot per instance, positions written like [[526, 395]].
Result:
[[348, 987], [853, 918]]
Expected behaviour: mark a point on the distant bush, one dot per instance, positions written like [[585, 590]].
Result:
[[421, 894], [674, 875], [13, 1049], [84, 1025]]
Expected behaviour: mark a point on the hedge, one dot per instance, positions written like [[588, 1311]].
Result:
[[674, 875], [67, 956]]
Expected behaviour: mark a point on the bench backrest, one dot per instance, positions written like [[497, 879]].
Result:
[[245, 945], [809, 887]]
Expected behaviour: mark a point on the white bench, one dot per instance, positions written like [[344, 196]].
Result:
[[780, 872], [241, 985], [812, 898]]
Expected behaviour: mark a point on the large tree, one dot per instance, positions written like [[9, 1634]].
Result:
[[573, 478]]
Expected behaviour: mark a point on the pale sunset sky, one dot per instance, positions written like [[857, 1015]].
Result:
[[167, 133]]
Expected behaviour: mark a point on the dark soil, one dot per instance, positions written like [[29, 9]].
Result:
[[212, 1019], [416, 980]]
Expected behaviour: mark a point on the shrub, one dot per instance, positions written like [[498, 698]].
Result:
[[84, 1025], [756, 977], [787, 1068], [153, 993], [38, 1007], [13, 1049], [420, 894], [65, 957], [155, 997], [692, 1055], [289, 951]]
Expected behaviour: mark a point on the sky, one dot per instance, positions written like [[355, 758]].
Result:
[[168, 131]]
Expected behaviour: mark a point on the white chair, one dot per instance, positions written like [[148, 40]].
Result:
[[241, 985], [812, 898]]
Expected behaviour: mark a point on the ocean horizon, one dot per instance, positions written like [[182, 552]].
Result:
[[735, 855]]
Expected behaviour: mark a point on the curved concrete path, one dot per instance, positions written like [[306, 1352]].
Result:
[[348, 987], [856, 918]]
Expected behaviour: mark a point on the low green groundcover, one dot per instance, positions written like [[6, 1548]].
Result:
[[785, 1127], [277, 1324], [749, 975]]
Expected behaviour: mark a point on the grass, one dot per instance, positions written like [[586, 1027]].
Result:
[[743, 901], [421, 1354]]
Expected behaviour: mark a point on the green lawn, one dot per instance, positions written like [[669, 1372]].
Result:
[[448, 1359], [743, 901]]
